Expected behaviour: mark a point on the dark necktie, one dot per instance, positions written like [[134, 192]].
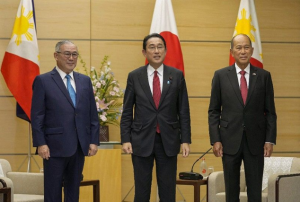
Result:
[[243, 87], [156, 94], [71, 90]]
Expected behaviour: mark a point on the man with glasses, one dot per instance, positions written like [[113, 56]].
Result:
[[65, 125], [155, 121]]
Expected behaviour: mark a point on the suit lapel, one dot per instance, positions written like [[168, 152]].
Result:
[[143, 78], [78, 87], [59, 82], [235, 83], [252, 81], [166, 83]]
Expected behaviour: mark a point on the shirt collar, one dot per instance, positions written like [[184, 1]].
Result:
[[238, 69], [63, 74], [159, 70]]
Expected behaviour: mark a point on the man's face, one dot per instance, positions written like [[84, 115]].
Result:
[[241, 51], [155, 52], [66, 58]]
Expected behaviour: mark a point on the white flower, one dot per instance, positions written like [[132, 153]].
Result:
[[116, 89], [108, 76], [112, 93], [108, 63], [98, 84], [92, 68], [103, 82], [103, 118]]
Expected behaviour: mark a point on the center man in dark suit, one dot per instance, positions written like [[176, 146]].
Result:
[[242, 120], [155, 121], [65, 125]]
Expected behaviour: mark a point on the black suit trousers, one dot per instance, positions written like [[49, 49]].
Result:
[[166, 168], [253, 165]]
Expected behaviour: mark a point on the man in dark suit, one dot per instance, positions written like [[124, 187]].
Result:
[[242, 120], [155, 121], [65, 125]]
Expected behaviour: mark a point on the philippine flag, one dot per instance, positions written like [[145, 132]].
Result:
[[163, 22], [246, 23], [20, 64]]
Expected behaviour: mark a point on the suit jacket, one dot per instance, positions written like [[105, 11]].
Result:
[[229, 117], [140, 115], [56, 122]]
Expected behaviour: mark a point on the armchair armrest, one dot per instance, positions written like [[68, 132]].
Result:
[[284, 187], [6, 183], [3, 183], [215, 185], [27, 183]]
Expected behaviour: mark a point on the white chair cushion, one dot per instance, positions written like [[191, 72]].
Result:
[[243, 197], [28, 198]]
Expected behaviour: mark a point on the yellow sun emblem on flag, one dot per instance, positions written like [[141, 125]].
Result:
[[22, 25], [243, 26]]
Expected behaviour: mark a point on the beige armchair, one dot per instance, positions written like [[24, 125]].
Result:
[[281, 187], [24, 186]]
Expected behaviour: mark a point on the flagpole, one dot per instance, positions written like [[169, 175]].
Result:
[[29, 156], [29, 149]]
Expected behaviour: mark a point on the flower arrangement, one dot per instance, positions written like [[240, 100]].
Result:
[[107, 92]]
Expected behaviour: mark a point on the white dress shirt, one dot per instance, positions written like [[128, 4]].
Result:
[[160, 74], [63, 77], [247, 70]]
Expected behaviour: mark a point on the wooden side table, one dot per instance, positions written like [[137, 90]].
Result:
[[196, 184], [96, 188]]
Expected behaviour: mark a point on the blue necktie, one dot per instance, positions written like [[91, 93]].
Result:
[[71, 90]]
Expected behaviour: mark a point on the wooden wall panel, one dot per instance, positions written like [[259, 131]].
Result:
[[288, 127], [283, 61], [8, 10], [201, 60], [14, 131], [121, 19], [279, 20], [197, 20], [3, 89], [68, 19]]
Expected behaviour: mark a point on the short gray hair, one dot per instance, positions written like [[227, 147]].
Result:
[[60, 43]]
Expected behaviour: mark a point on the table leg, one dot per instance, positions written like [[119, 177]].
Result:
[[96, 190], [196, 193]]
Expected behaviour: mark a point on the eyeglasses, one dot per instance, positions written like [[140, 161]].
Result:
[[153, 48], [68, 54]]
